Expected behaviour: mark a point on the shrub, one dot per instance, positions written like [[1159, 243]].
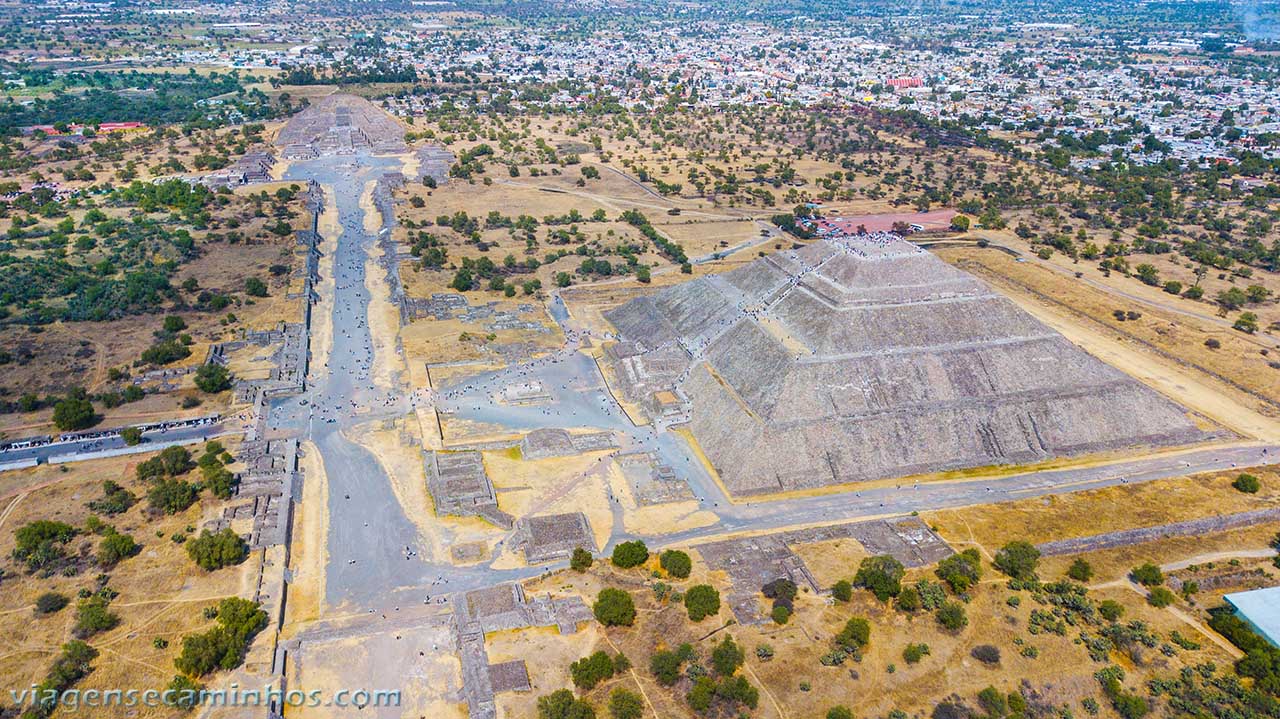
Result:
[[1110, 609], [172, 495], [630, 554], [993, 701], [665, 667], [839, 712], [780, 614], [1080, 570], [700, 696], [255, 287], [881, 575], [843, 590], [212, 551], [561, 704], [727, 657], [93, 617], [183, 693], [222, 647], [961, 571], [676, 563], [1160, 597], [952, 617], [986, 653], [171, 462], [625, 705], [581, 560], [51, 602], [613, 608], [908, 600], [855, 634], [41, 543], [590, 671], [780, 589], [702, 601], [1247, 483], [1147, 574], [914, 653], [1018, 559], [116, 547]]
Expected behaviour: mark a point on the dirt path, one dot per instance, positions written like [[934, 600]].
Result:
[[1191, 389]]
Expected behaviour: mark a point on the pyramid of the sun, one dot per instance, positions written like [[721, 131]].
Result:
[[867, 358]]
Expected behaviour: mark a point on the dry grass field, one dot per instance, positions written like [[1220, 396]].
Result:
[[161, 592]]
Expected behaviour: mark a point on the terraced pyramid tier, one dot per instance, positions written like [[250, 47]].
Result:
[[868, 358]]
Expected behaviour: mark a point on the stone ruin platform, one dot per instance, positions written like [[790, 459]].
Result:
[[752, 562], [868, 358], [547, 443], [459, 485], [499, 608], [553, 536]]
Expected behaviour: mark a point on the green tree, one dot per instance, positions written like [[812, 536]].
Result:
[[1147, 574], [132, 436], [172, 495], [614, 607], [960, 223], [1110, 609], [581, 560], [624, 704], [856, 633], [1247, 322], [665, 667], [630, 554], [92, 617], [727, 656], [212, 550], [1018, 559], [702, 601], [914, 653], [74, 413], [42, 543], [255, 287], [842, 590], [993, 701], [183, 693], [212, 378], [590, 671], [839, 712], [961, 571], [676, 563], [561, 704], [1148, 274], [881, 575], [223, 647], [1160, 597]]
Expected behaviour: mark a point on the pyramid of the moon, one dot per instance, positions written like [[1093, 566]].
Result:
[[868, 358], [340, 124]]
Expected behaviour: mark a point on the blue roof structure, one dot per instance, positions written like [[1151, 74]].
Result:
[[1261, 609]]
